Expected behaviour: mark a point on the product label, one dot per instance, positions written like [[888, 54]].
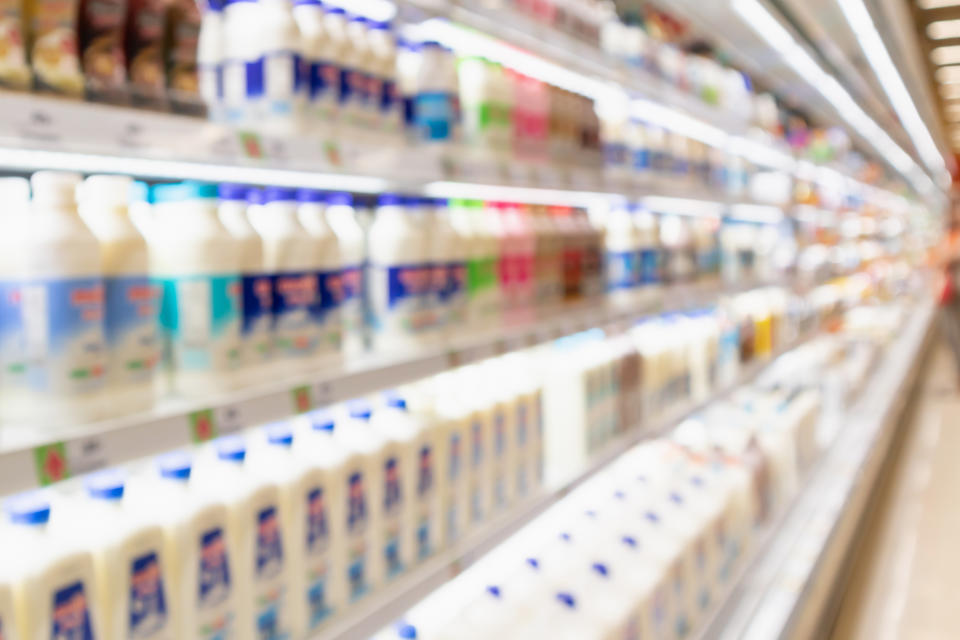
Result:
[[214, 574], [455, 464], [13, 356], [389, 96], [433, 115], [424, 492], [269, 544], [148, 606], [476, 431], [356, 532], [322, 81], [294, 295], [623, 270], [283, 79], [454, 291], [400, 297], [481, 275], [352, 308], [63, 327], [131, 328], [392, 505], [649, 266], [615, 155], [257, 315], [269, 567], [522, 425], [326, 308], [641, 159], [317, 544], [71, 614], [200, 322]]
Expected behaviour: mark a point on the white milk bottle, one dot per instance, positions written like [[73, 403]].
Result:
[[256, 282], [321, 75], [8, 622], [433, 109], [398, 275], [621, 256], [363, 495], [210, 52], [452, 417], [259, 543], [343, 220], [479, 446], [356, 103], [62, 310], [130, 562], [54, 592], [131, 301], [281, 68], [141, 208], [289, 254], [383, 45], [446, 258], [202, 580], [322, 582], [338, 47], [15, 196], [327, 308], [486, 290], [243, 50], [417, 452], [196, 262], [408, 64]]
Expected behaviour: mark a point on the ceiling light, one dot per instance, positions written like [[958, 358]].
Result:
[[948, 75], [946, 55], [944, 29], [937, 4]]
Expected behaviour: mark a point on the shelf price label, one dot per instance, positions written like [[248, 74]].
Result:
[[51, 463], [302, 399], [251, 144], [203, 427]]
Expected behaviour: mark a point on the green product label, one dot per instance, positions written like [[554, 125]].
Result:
[[200, 321], [302, 402], [202, 426], [481, 275], [51, 463]]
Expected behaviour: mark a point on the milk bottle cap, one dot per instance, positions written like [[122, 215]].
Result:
[[406, 631], [255, 195], [280, 434], [312, 3], [234, 192], [106, 485], [340, 198], [321, 420], [311, 196], [184, 191], [394, 400], [336, 11], [360, 410], [232, 449], [140, 191], [175, 466], [55, 187], [379, 25], [279, 194], [389, 200], [32, 508]]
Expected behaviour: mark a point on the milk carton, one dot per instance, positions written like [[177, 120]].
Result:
[[131, 302]]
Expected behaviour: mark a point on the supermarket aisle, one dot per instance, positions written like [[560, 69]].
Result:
[[906, 581]]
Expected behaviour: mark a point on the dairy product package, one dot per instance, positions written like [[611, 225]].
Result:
[[100, 31], [14, 70], [52, 46], [180, 48], [327, 309], [144, 53]]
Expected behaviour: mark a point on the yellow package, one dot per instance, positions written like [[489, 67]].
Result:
[[52, 44], [14, 71]]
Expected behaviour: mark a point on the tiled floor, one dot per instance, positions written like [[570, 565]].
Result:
[[906, 580]]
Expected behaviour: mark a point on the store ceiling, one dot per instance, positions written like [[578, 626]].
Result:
[[938, 31]]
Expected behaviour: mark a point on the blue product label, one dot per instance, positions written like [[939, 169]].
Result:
[[63, 329], [71, 614], [409, 112], [13, 364], [269, 544], [623, 270], [130, 328], [522, 425], [200, 322], [649, 266], [318, 531], [214, 574], [455, 283], [391, 490], [357, 518], [294, 295], [323, 79], [680, 166], [425, 471], [351, 280], [455, 457], [319, 609], [433, 115], [330, 297], [641, 159], [500, 432], [257, 318], [408, 284], [661, 161], [392, 503], [615, 155], [388, 96], [254, 74], [399, 297], [148, 606], [476, 430]]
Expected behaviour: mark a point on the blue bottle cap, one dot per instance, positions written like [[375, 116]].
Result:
[[310, 196], [360, 410], [406, 631], [336, 11], [394, 400], [140, 191], [254, 195], [106, 485], [231, 449], [233, 191], [379, 25], [32, 508], [175, 466], [338, 198], [279, 194], [183, 191], [322, 420], [602, 569], [389, 200], [280, 434], [567, 600]]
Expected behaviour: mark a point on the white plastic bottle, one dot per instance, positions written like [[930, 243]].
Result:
[[338, 46], [141, 208], [131, 566], [284, 81], [327, 309], [433, 108], [62, 310], [383, 46], [210, 51], [256, 283], [259, 543], [621, 256], [452, 417], [343, 220], [364, 497], [486, 290], [54, 590], [243, 52], [453, 295], [131, 301], [289, 255], [196, 262], [356, 101], [8, 621], [321, 73], [408, 64], [15, 193], [202, 581], [398, 275]]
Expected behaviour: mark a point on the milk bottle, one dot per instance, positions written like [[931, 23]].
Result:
[[256, 283], [15, 194], [242, 66], [281, 68], [453, 417], [417, 449], [363, 493], [131, 302], [306, 493], [483, 272], [326, 311], [433, 108], [55, 593], [210, 50], [622, 256], [408, 65], [339, 51], [8, 623], [479, 447], [202, 580], [62, 305], [259, 543], [398, 275], [383, 50], [321, 74], [322, 584], [132, 569], [289, 254], [357, 77], [448, 257], [196, 263], [343, 220]]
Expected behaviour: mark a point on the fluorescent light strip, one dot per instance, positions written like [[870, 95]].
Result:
[[684, 206], [887, 73], [34, 160], [777, 36], [525, 195]]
